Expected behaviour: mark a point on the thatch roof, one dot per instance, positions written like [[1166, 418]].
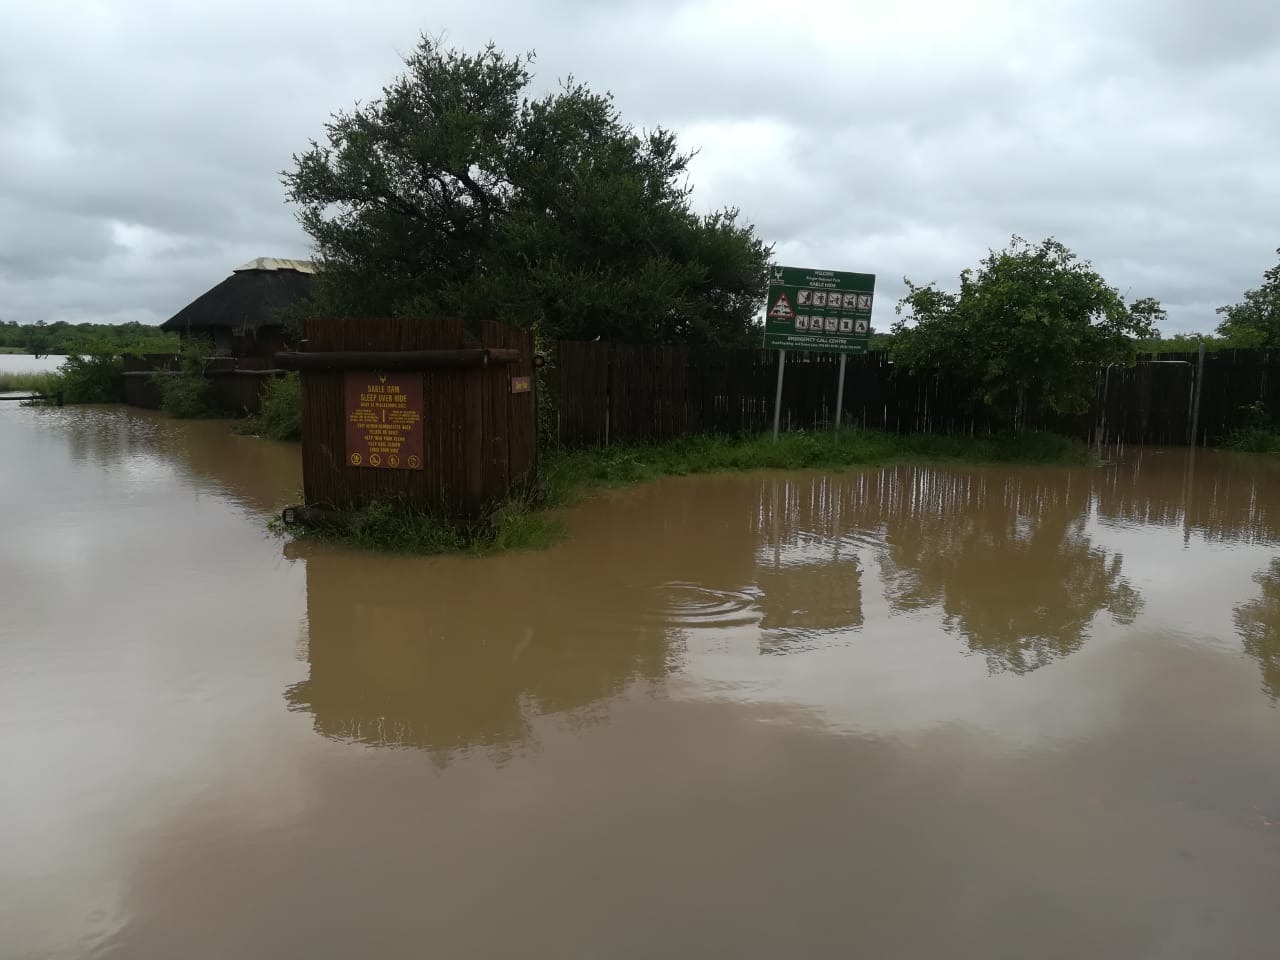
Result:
[[252, 297]]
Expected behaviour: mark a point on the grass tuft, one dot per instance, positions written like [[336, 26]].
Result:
[[46, 382]]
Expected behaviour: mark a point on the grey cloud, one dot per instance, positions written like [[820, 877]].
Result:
[[141, 142]]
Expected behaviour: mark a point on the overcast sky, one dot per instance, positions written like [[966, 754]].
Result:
[[140, 141]]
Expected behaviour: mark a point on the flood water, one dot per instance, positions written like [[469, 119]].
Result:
[[912, 712]]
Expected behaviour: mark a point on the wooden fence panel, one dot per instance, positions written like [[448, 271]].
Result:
[[582, 399], [478, 439], [633, 393]]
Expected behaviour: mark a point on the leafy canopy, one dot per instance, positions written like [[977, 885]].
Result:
[[1255, 320], [456, 194], [1029, 325]]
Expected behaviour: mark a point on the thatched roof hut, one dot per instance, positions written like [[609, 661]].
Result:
[[242, 314]]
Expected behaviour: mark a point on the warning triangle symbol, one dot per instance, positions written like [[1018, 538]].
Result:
[[782, 309]]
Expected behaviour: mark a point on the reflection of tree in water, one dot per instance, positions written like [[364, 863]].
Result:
[[260, 474], [457, 653], [104, 436], [461, 654], [1005, 557], [1259, 624], [1216, 494], [807, 579]]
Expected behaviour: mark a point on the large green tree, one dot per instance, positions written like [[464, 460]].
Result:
[[456, 194], [1028, 328], [1255, 320]]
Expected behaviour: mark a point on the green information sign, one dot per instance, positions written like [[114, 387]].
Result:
[[818, 310]]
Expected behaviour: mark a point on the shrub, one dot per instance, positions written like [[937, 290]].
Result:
[[1257, 432], [280, 417], [186, 394], [94, 374]]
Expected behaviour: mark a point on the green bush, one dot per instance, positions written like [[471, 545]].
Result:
[[1257, 432], [186, 393], [94, 374], [280, 417], [186, 397]]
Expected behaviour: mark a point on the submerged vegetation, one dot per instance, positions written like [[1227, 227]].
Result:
[[186, 393], [1258, 433], [91, 375], [532, 521], [37, 382], [517, 524], [280, 416], [95, 375]]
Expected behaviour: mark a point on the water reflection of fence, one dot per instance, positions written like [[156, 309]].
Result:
[[616, 392]]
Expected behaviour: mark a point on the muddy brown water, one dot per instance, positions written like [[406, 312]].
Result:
[[912, 712]]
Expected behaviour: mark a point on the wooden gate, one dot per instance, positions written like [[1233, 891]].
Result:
[[472, 442]]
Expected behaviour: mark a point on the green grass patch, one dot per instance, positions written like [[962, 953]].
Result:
[[514, 525], [533, 522], [1253, 440], [568, 475], [280, 417], [46, 382]]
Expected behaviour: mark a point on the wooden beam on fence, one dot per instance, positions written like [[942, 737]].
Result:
[[334, 360]]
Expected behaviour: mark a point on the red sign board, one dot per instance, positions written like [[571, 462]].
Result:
[[384, 420]]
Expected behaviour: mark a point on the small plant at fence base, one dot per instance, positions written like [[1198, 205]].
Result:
[[530, 522], [1258, 432], [280, 416]]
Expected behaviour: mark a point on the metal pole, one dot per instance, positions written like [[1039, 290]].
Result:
[[777, 400], [840, 391], [1195, 403]]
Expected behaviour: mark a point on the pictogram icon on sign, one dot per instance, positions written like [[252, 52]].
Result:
[[414, 462], [375, 460], [355, 459], [782, 308]]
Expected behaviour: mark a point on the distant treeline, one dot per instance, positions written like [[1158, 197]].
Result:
[[1176, 343], [40, 339]]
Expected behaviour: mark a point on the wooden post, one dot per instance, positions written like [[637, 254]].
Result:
[[1195, 403], [777, 399], [840, 391]]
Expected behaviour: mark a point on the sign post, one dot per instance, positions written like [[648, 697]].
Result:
[[777, 397], [844, 358], [819, 310]]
